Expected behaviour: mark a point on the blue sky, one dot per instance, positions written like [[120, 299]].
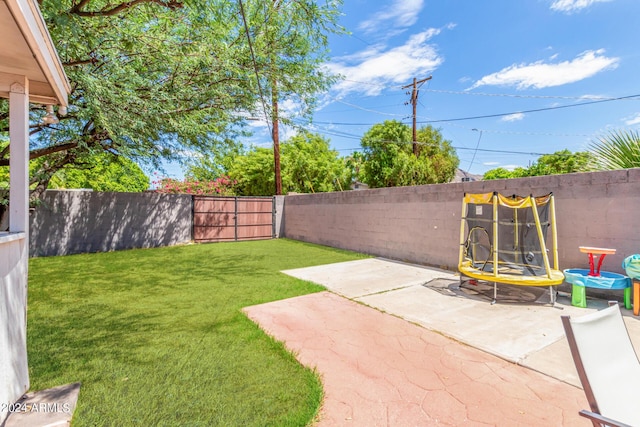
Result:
[[503, 59]]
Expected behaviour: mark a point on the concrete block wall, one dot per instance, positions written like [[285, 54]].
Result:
[[69, 222], [422, 224]]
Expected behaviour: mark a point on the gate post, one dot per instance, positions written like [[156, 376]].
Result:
[[273, 217], [235, 219], [193, 218]]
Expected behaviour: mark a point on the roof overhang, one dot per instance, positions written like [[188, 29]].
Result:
[[26, 50]]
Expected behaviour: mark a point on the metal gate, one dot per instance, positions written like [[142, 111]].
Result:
[[222, 219]]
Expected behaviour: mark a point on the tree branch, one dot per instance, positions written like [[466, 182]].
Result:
[[79, 6], [77, 9], [80, 62], [44, 151]]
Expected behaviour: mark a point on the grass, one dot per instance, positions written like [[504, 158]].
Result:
[[156, 336]]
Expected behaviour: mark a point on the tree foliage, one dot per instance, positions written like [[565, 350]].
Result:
[[152, 79], [389, 160], [558, 163], [254, 173], [308, 166], [105, 172], [498, 173], [213, 165], [616, 150]]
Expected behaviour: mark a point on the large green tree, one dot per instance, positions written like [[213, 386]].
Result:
[[153, 79], [308, 166], [560, 162], [389, 160]]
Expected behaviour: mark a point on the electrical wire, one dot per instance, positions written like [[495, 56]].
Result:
[[508, 95], [255, 67], [536, 110], [513, 95], [457, 119]]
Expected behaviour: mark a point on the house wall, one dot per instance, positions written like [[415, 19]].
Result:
[[422, 224], [69, 222], [14, 371]]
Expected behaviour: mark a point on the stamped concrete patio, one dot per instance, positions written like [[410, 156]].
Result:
[[402, 345]]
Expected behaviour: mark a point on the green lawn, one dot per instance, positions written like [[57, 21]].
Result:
[[156, 336]]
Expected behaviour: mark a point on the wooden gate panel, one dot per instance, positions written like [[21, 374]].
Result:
[[218, 219], [213, 205], [215, 234], [210, 219]]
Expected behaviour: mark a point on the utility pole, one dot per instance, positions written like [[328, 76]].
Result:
[[414, 103], [275, 133]]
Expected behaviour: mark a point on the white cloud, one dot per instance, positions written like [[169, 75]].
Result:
[[399, 15], [633, 120], [371, 70], [539, 74], [513, 117], [570, 6]]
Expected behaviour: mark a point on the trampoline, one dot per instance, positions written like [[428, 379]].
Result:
[[503, 240]]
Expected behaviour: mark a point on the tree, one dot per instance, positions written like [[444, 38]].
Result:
[[210, 166], [558, 163], [152, 79], [354, 164], [105, 172], [497, 173], [308, 166], [389, 160], [254, 173], [617, 150]]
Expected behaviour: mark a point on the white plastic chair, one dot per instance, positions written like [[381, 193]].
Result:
[[607, 365]]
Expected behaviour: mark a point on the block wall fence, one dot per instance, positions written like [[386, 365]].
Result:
[[421, 224], [418, 224], [71, 222]]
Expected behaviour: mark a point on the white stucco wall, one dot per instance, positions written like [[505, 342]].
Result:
[[14, 375]]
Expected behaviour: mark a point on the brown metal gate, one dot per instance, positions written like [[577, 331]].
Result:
[[221, 219]]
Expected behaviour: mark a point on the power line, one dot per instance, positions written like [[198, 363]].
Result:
[[255, 65], [368, 109], [536, 110], [351, 136], [513, 95], [508, 95], [513, 132], [476, 150]]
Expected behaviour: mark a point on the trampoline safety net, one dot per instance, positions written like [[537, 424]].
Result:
[[508, 233]]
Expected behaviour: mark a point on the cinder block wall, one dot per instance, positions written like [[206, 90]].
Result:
[[422, 224], [69, 222]]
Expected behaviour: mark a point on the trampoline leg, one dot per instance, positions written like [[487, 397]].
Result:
[[495, 293], [552, 295]]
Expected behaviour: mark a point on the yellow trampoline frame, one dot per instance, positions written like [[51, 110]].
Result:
[[553, 276]]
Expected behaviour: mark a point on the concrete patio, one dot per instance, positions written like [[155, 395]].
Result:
[[403, 345]]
